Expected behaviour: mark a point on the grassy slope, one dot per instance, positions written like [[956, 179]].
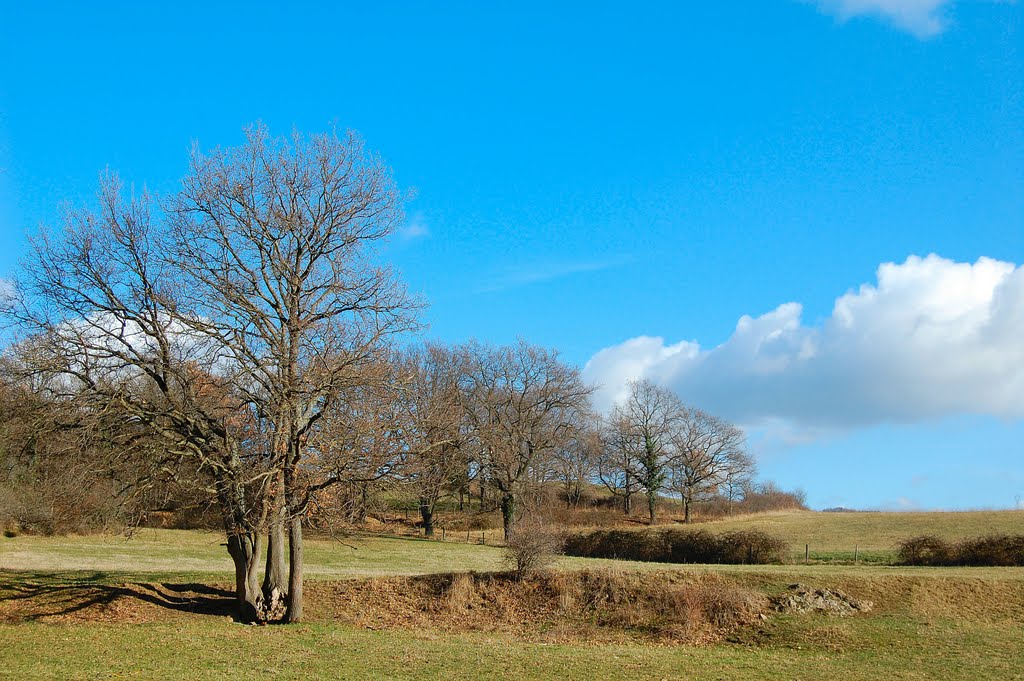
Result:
[[872, 531]]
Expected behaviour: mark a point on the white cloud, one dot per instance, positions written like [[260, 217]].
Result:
[[536, 272], [415, 228], [932, 338], [923, 18]]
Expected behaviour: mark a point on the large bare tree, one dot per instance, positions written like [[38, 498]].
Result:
[[277, 239], [230, 321], [100, 306]]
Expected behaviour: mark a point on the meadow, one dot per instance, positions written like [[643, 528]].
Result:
[[155, 606]]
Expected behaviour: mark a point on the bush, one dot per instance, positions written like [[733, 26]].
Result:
[[678, 546], [996, 550], [531, 548], [924, 550], [751, 547]]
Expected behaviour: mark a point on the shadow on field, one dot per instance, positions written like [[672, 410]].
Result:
[[32, 596]]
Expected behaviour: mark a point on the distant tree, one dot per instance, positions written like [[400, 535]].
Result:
[[576, 462], [522, 403], [613, 466], [738, 478], [642, 429], [432, 420], [708, 450]]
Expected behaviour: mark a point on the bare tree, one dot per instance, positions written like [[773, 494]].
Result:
[[641, 429], [709, 449], [614, 464], [100, 306], [738, 478], [276, 239], [576, 461], [432, 425], [522, 404]]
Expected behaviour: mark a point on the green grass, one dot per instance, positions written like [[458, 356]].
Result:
[[792, 648]]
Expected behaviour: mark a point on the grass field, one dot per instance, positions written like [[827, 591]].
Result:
[[948, 623]]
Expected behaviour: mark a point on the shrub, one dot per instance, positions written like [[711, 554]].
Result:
[[996, 550], [531, 548], [678, 546], [751, 547], [924, 550]]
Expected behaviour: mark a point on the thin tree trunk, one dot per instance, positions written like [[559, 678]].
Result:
[[652, 501], [627, 497], [508, 513], [686, 510], [294, 613]]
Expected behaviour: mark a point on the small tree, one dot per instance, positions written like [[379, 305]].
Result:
[[531, 547]]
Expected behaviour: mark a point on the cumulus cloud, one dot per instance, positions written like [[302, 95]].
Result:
[[923, 18], [931, 338]]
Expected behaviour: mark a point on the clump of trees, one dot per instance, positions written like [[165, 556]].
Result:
[[238, 346], [654, 444]]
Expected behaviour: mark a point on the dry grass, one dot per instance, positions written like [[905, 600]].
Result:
[[871, 531]]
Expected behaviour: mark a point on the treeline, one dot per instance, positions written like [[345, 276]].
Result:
[[433, 435]]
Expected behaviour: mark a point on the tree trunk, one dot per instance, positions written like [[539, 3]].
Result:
[[274, 590], [508, 513], [294, 613], [686, 510], [652, 501], [627, 497], [427, 513], [244, 547]]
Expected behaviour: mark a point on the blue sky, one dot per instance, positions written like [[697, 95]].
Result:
[[597, 173]]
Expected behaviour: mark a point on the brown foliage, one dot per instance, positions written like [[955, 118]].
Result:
[[678, 546]]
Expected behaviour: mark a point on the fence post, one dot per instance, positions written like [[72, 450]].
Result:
[[856, 553], [807, 552]]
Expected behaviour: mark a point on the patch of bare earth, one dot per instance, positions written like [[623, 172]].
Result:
[[801, 600]]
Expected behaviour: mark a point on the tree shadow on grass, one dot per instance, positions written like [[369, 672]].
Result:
[[39, 596]]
